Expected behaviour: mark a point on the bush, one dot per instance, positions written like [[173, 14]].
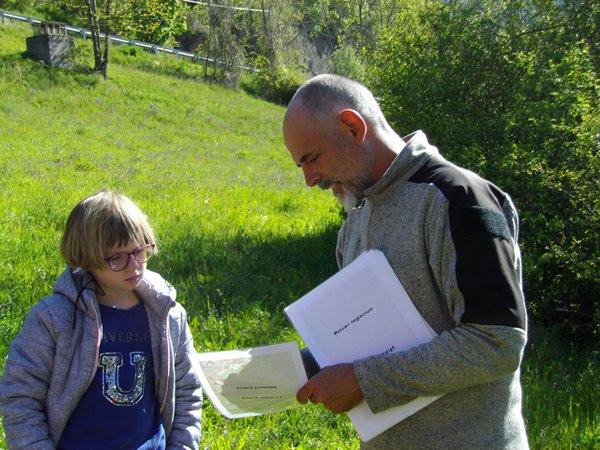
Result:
[[516, 100], [273, 83], [345, 62], [81, 54], [17, 5]]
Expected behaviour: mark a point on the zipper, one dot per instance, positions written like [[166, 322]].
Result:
[[369, 208]]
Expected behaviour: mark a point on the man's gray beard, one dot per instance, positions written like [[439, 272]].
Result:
[[354, 188], [346, 198]]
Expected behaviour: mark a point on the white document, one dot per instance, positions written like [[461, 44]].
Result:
[[362, 310], [254, 381]]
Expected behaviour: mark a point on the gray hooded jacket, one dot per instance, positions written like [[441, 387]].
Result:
[[451, 238], [54, 357]]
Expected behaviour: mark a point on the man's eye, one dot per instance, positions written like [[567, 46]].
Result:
[[314, 158]]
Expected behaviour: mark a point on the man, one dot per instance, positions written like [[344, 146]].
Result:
[[451, 238]]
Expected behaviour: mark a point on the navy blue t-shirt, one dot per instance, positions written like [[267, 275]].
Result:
[[119, 409]]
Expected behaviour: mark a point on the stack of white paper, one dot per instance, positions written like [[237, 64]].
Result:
[[362, 310]]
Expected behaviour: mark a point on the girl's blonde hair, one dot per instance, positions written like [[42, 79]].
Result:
[[104, 220]]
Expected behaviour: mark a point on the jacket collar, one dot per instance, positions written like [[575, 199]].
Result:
[[156, 293], [412, 157]]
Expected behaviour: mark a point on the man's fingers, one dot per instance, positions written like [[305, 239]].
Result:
[[335, 387], [310, 391], [304, 393], [339, 405], [316, 397]]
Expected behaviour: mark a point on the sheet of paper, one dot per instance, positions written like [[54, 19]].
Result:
[[362, 310], [254, 381]]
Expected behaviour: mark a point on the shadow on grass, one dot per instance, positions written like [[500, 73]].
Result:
[[230, 275]]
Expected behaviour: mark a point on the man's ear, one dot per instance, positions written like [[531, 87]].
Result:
[[353, 124]]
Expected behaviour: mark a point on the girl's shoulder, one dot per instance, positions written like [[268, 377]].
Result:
[[50, 316], [178, 314], [53, 306]]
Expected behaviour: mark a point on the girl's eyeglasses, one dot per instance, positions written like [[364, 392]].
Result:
[[119, 261]]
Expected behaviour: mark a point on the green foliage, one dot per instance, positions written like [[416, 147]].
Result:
[[80, 54], [18, 5], [319, 20], [335, 25], [72, 12], [345, 62], [154, 21], [196, 30], [274, 83], [510, 91]]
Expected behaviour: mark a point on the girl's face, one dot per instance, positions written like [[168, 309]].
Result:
[[122, 273]]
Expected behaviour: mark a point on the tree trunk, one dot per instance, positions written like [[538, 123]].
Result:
[[94, 29], [100, 54], [104, 68]]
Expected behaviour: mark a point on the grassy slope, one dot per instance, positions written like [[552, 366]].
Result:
[[240, 237]]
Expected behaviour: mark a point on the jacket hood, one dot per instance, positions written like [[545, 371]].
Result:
[[153, 289], [410, 159]]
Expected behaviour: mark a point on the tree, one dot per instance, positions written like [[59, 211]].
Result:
[[100, 44], [222, 47], [154, 21]]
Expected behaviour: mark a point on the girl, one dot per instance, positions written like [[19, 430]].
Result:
[[107, 360]]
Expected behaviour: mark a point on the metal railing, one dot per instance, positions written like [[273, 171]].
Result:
[[119, 40], [236, 8]]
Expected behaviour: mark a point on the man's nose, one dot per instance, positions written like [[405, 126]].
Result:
[[310, 178]]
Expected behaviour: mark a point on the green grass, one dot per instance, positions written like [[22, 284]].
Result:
[[239, 235], [561, 393]]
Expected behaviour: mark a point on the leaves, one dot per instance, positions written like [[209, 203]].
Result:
[[509, 90]]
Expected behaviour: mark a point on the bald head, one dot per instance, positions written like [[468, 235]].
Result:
[[336, 133], [326, 94]]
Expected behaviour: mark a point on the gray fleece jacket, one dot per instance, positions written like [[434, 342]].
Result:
[[54, 357], [451, 238]]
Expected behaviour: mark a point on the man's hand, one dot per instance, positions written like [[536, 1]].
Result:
[[335, 387]]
